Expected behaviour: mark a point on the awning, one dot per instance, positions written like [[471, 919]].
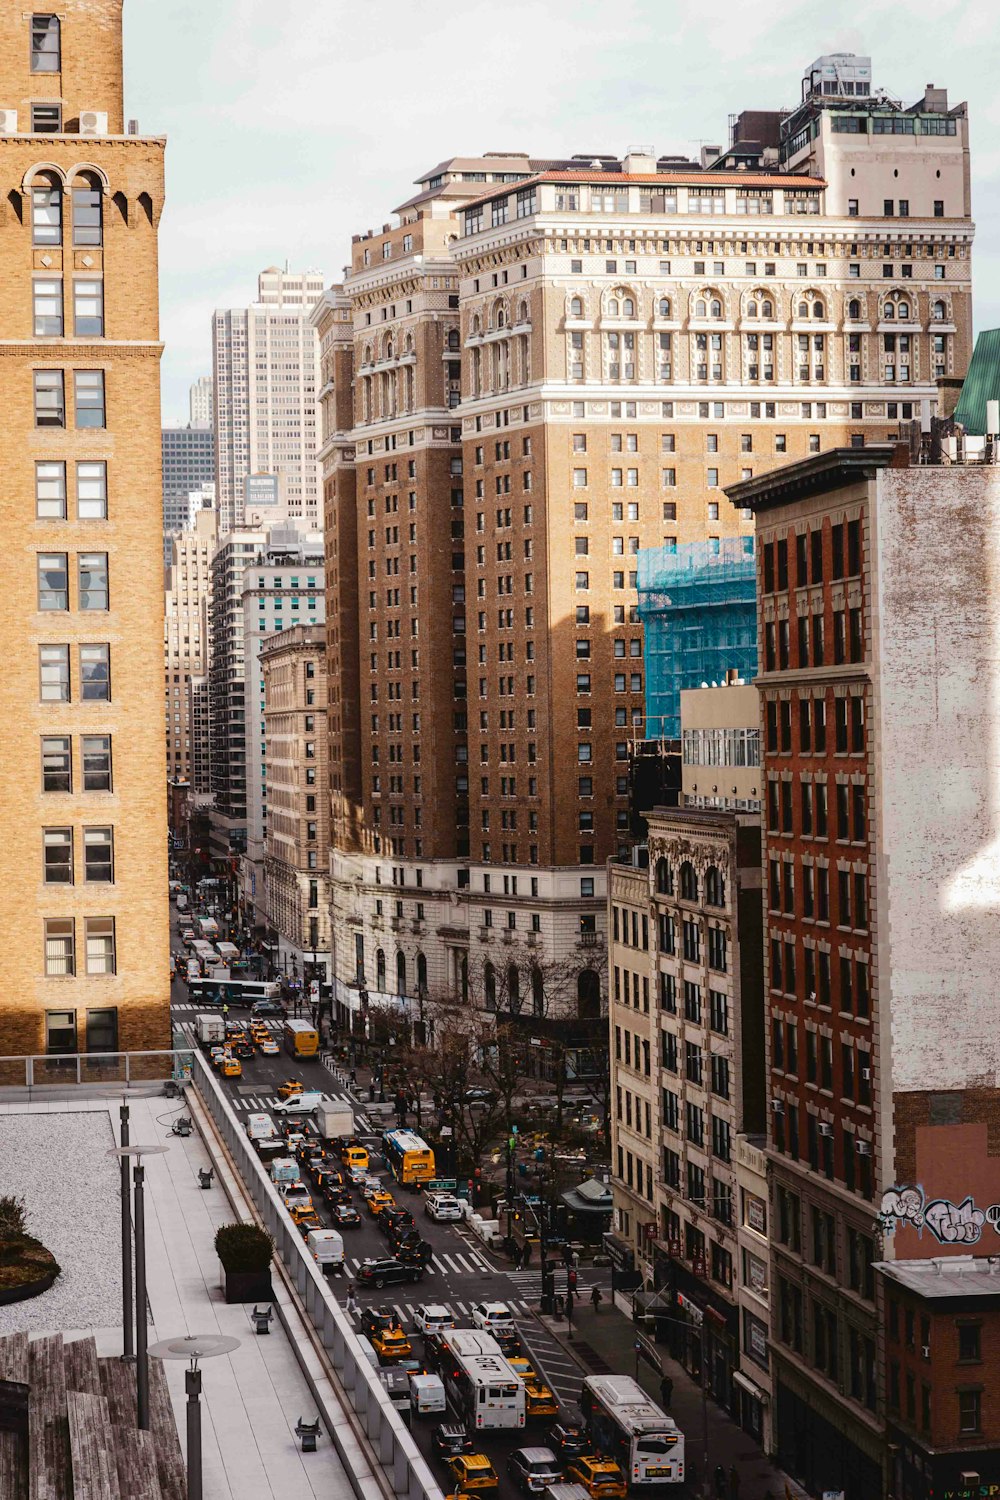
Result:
[[747, 1385]]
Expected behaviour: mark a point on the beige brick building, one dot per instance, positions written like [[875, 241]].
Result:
[[186, 642], [297, 859], [83, 872]]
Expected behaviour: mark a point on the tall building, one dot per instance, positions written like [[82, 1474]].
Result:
[[555, 367], [266, 384], [186, 639], [282, 587], [188, 470], [83, 864], [879, 698], [297, 862], [227, 711], [200, 402]]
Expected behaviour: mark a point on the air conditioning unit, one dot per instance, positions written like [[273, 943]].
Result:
[[925, 1350], [866, 1074], [825, 1128], [8, 122], [863, 1148], [93, 122], [778, 1106], [969, 1478]]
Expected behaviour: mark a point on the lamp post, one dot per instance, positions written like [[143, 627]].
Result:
[[192, 1348], [139, 1217], [128, 1327]]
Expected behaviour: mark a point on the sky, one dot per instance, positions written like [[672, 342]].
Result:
[[290, 128]]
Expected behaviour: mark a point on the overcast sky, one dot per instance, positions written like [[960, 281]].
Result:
[[293, 126]]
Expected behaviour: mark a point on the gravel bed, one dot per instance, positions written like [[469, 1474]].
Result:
[[58, 1164]]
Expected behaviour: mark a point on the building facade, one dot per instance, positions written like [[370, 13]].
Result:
[[186, 640], [82, 890], [226, 692], [555, 367], [266, 384], [201, 399], [188, 470], [297, 859]]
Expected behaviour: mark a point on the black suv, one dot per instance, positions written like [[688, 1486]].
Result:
[[449, 1440], [373, 1319], [414, 1251], [394, 1222], [268, 1008], [382, 1273]]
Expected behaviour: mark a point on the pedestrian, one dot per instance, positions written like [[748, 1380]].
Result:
[[666, 1390], [351, 1304], [371, 1093], [595, 1297], [734, 1483], [354, 1078], [720, 1482], [518, 1256], [527, 1254], [567, 1257], [576, 1260]]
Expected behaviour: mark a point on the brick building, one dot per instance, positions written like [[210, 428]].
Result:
[[83, 863], [186, 641]]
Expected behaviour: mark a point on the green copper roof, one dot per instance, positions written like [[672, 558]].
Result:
[[981, 384]]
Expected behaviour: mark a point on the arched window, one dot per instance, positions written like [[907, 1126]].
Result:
[[767, 308], [904, 310], [121, 203], [380, 970], [490, 986], [689, 882], [513, 989], [387, 352], [477, 327], [818, 310], [613, 307], [522, 312], [400, 972], [501, 316], [664, 307], [87, 210], [889, 311], [700, 308], [628, 308], [576, 307], [146, 204], [46, 210], [716, 308], [938, 312], [751, 309], [803, 309], [854, 309], [421, 973], [588, 995], [453, 338], [715, 887], [664, 878], [537, 992]]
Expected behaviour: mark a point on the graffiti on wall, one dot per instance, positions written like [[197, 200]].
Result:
[[950, 1223]]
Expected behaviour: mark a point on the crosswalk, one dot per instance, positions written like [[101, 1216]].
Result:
[[459, 1311], [442, 1264]]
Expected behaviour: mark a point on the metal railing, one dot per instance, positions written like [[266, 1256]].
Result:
[[98, 1070], [393, 1447]]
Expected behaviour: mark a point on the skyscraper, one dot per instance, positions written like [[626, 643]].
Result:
[[82, 862], [200, 399], [266, 369]]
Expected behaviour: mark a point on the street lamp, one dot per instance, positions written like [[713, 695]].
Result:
[[192, 1348], [139, 1218]]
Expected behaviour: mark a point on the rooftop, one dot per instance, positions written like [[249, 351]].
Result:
[[982, 383], [944, 1276]]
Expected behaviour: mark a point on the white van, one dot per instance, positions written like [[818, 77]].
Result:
[[427, 1395], [209, 927], [326, 1246], [227, 952], [263, 1136]]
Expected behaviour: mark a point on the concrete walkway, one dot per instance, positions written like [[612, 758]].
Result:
[[610, 1335], [252, 1398]]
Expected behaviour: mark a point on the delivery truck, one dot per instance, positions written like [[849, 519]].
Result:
[[326, 1246], [211, 1031], [334, 1119]]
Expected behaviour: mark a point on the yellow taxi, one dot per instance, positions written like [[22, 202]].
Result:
[[391, 1343], [522, 1366], [290, 1088], [379, 1201], [539, 1401], [600, 1477], [300, 1211], [231, 1067], [355, 1157], [259, 1034], [473, 1471]]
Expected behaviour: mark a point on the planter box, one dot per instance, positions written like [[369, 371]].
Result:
[[247, 1286], [27, 1289]]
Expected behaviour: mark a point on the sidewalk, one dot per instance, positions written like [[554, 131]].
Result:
[[609, 1336]]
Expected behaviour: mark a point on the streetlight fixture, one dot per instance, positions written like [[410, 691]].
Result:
[[192, 1348], [139, 1218]]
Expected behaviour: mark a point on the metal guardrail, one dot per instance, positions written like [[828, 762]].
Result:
[[101, 1070], [394, 1449]]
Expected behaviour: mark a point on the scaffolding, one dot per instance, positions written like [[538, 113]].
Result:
[[698, 609]]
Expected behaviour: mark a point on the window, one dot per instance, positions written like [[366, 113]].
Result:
[[50, 491], [95, 674], [46, 119], [45, 49], [92, 491], [46, 215], [47, 303], [969, 1342], [93, 580], [60, 956], [57, 766], [96, 751], [969, 1417], [88, 307], [98, 856], [100, 947], [89, 392], [50, 399], [57, 856], [53, 581], [87, 222], [102, 1028], [53, 663]]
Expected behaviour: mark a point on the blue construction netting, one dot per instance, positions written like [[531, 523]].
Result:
[[698, 607]]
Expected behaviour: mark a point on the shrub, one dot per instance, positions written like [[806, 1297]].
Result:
[[243, 1247], [13, 1218]]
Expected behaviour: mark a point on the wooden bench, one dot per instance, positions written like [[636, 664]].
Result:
[[91, 1436], [169, 1459], [82, 1370], [14, 1445], [48, 1436]]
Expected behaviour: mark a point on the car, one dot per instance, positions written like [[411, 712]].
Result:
[[269, 1048], [396, 1221], [344, 1216], [415, 1253], [333, 1193], [533, 1469], [567, 1440], [522, 1366], [244, 1051], [600, 1477], [268, 1008], [431, 1317], [443, 1208], [299, 1104], [216, 1054], [295, 1195], [473, 1471], [231, 1067], [375, 1319], [479, 1096], [492, 1316], [539, 1400], [391, 1344], [437, 1355], [369, 1185], [309, 1221], [450, 1440], [378, 1202], [382, 1273], [289, 1087], [300, 1211]]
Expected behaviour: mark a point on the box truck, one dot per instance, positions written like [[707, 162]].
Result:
[[211, 1030], [334, 1119]]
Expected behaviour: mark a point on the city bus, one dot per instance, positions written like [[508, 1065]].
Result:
[[625, 1424], [301, 1039], [410, 1159], [238, 992], [485, 1390]]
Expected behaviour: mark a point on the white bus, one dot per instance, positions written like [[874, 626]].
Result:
[[624, 1423], [485, 1390]]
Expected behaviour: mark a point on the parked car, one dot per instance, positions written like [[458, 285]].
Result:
[[532, 1469], [479, 1096], [382, 1273], [449, 1440]]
